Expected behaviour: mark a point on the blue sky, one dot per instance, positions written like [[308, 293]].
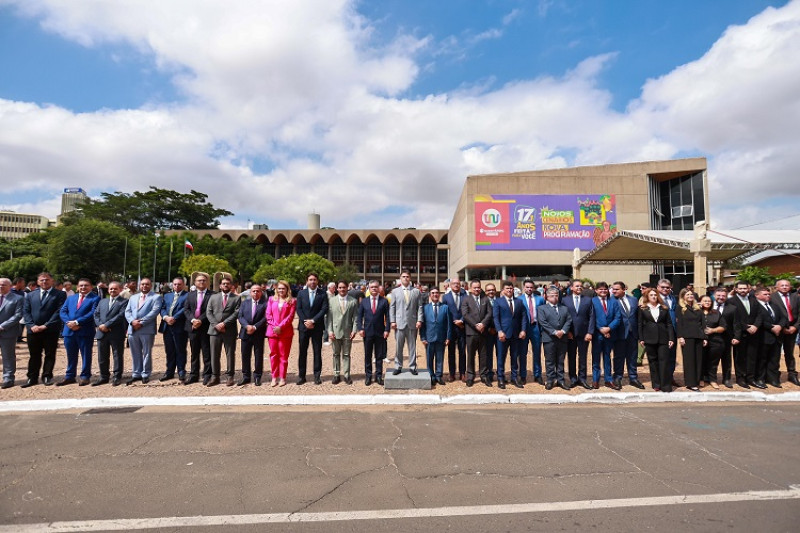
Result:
[[278, 109]]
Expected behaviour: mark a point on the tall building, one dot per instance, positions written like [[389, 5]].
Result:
[[18, 225], [70, 199]]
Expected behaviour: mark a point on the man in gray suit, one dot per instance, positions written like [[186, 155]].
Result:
[[141, 313], [405, 314], [340, 323], [10, 315], [109, 318], [222, 313], [555, 321]]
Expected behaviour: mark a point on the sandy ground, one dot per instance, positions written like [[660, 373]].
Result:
[[175, 388]]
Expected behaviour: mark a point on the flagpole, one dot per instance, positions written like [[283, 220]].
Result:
[[169, 268], [125, 263], [139, 273]]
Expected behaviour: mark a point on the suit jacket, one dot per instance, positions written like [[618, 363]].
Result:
[[582, 317], [341, 323], [672, 304], [219, 314], [112, 316], [84, 315], [779, 304], [743, 318], [248, 318], [550, 321], [767, 321], [10, 315], [436, 326], [404, 314], [450, 301], [629, 322], [373, 324], [474, 315], [146, 314], [504, 321], [731, 325], [659, 331], [177, 313], [316, 312], [690, 323], [538, 301], [606, 319], [280, 317], [43, 313], [189, 308]]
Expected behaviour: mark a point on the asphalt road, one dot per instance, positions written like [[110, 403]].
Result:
[[295, 467]]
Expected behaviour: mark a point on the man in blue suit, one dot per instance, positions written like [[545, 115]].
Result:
[[511, 322], [374, 325], [458, 335], [606, 320], [435, 334], [532, 334], [312, 306], [253, 319], [143, 308], [626, 347], [580, 335], [173, 330], [42, 314], [10, 315], [77, 314]]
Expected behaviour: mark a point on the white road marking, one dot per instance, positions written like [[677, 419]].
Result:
[[792, 493]]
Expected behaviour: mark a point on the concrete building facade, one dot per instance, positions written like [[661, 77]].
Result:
[[18, 225]]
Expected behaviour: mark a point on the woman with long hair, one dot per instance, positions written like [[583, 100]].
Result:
[[280, 314], [657, 337], [714, 326], [692, 339]]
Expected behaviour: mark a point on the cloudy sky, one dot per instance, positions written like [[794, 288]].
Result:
[[372, 113]]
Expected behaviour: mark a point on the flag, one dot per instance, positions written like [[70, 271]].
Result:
[[188, 245]]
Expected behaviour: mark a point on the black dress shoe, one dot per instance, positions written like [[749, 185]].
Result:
[[191, 379], [757, 384], [379, 380], [501, 384], [145, 379], [539, 380], [470, 382], [82, 382], [548, 385], [563, 385], [29, 383], [775, 384], [413, 371], [728, 383], [336, 380], [636, 383], [181, 376], [206, 379], [301, 380], [115, 382], [518, 383], [214, 381], [243, 381], [451, 378], [47, 381], [317, 380], [617, 382], [66, 381], [166, 377], [440, 381], [396, 371], [230, 382], [793, 379], [257, 381], [132, 381], [676, 385], [348, 381], [7, 384], [585, 385], [368, 381], [98, 382]]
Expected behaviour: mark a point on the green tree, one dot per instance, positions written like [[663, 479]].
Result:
[[755, 276], [295, 268], [86, 248], [348, 272], [27, 266], [245, 255], [146, 211], [209, 264]]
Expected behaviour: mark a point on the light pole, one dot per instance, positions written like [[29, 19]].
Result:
[[155, 255]]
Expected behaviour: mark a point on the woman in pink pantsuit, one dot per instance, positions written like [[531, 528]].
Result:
[[280, 313]]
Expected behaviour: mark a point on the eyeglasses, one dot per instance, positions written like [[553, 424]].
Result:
[[663, 286]]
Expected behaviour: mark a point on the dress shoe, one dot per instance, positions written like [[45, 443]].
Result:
[[273, 383], [728, 383], [396, 371], [486, 381], [470, 382], [742, 383], [132, 381], [617, 383], [336, 380], [539, 380], [317, 380], [462, 377], [243, 381], [413, 371], [775, 384], [301, 381], [181, 376], [609, 384], [676, 385], [440, 381], [573, 383], [585, 385], [281, 383], [518, 383], [206, 379], [98, 382], [65, 381], [368, 381], [501, 384], [635, 383], [548, 385], [563, 385], [451, 378], [793, 379], [115, 382], [595, 385], [29, 383], [213, 382], [7, 384], [257, 381], [82, 382], [47, 381], [379, 381], [230, 382], [348, 380], [757, 384], [694, 389], [166, 377], [145, 380], [191, 379]]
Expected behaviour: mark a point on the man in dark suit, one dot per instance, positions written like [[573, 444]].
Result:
[[10, 315], [173, 330], [194, 309], [510, 321], [223, 313], [77, 314], [555, 321], [606, 321], [728, 312], [788, 305], [109, 319], [435, 334], [664, 288], [374, 326], [626, 347], [253, 322], [746, 344], [477, 315], [458, 338], [531, 300], [491, 333], [768, 361], [580, 335], [312, 306], [41, 312]]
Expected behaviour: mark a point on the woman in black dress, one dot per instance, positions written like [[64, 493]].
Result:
[[692, 339], [714, 326], [657, 337]]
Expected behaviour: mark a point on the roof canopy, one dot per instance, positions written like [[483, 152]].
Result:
[[667, 246]]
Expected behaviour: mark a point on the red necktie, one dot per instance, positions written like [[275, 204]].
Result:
[[605, 307], [80, 301], [788, 307], [374, 305], [530, 308]]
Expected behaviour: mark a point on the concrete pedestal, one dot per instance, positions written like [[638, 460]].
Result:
[[405, 380]]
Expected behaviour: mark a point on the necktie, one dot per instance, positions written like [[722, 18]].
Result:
[[80, 301], [141, 300], [2, 299], [457, 299], [788, 307], [341, 304], [605, 307], [224, 300], [42, 295], [556, 308], [769, 309], [531, 309], [511, 306], [624, 305], [111, 303], [746, 302], [478, 301], [577, 302], [405, 294], [435, 312], [310, 297], [253, 311], [374, 305], [199, 305], [174, 302]]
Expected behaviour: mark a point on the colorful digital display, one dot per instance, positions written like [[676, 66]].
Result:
[[543, 222]]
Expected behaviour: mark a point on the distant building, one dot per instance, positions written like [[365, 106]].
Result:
[[71, 198], [18, 225]]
